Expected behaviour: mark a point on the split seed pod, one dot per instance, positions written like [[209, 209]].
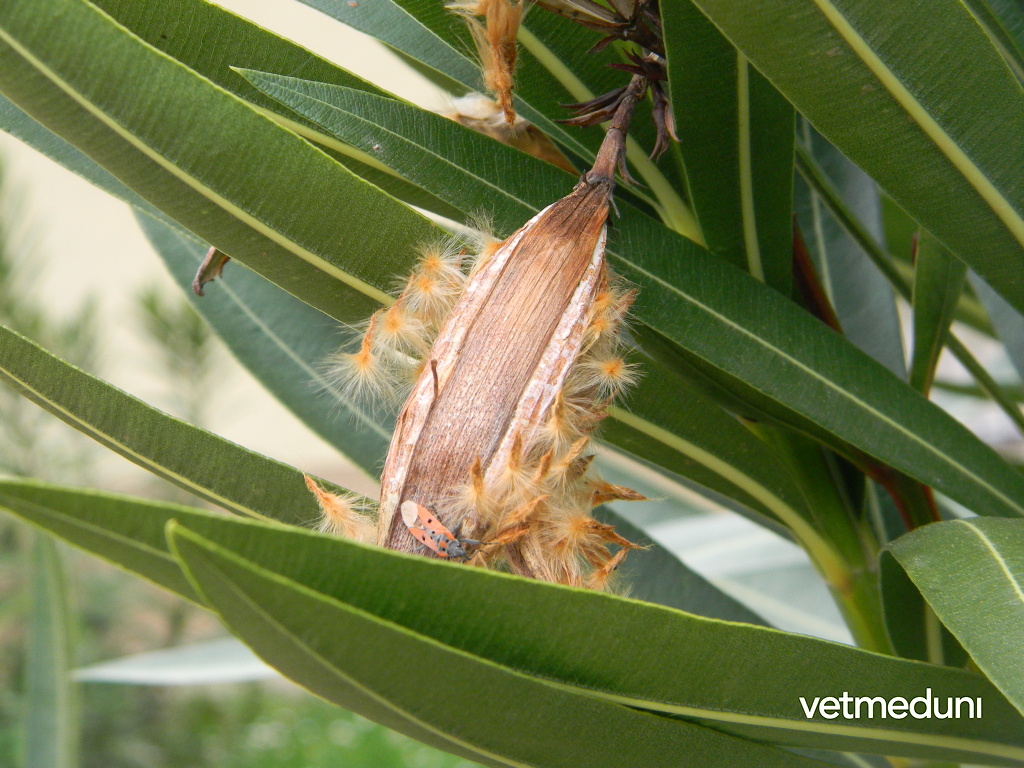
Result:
[[491, 444], [502, 357]]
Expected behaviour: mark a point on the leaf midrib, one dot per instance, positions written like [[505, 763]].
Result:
[[999, 204], [830, 385], [191, 181], [859, 732]]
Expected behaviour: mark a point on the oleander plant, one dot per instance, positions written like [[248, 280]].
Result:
[[814, 202]]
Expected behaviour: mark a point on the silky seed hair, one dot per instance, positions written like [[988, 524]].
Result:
[[348, 515], [495, 41], [366, 375], [395, 341]]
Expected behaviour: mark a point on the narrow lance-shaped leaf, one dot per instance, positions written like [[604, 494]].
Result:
[[736, 141], [275, 645], [123, 531], [200, 462], [971, 572], [467, 170], [255, 189], [129, 533], [937, 138], [350, 654], [859, 292], [520, 624], [938, 283], [698, 440]]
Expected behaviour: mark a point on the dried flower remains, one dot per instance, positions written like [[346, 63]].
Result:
[[495, 40], [483, 115]]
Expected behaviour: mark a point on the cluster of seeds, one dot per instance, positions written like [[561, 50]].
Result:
[[529, 503]]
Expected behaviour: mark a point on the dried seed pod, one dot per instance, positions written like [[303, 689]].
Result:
[[491, 443], [500, 361]]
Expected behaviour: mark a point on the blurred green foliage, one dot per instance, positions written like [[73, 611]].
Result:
[[123, 726], [240, 726]]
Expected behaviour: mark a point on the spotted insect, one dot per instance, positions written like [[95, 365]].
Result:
[[429, 531]]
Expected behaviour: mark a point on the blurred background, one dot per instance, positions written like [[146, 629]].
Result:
[[78, 276], [159, 686]]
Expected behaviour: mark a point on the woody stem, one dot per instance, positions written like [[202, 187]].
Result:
[[613, 147]]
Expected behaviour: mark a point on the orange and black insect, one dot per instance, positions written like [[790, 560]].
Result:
[[431, 533]]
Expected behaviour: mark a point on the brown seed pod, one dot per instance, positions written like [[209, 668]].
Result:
[[523, 358], [501, 359]]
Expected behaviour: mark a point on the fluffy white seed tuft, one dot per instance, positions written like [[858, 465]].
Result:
[[607, 374], [366, 375], [343, 514]]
